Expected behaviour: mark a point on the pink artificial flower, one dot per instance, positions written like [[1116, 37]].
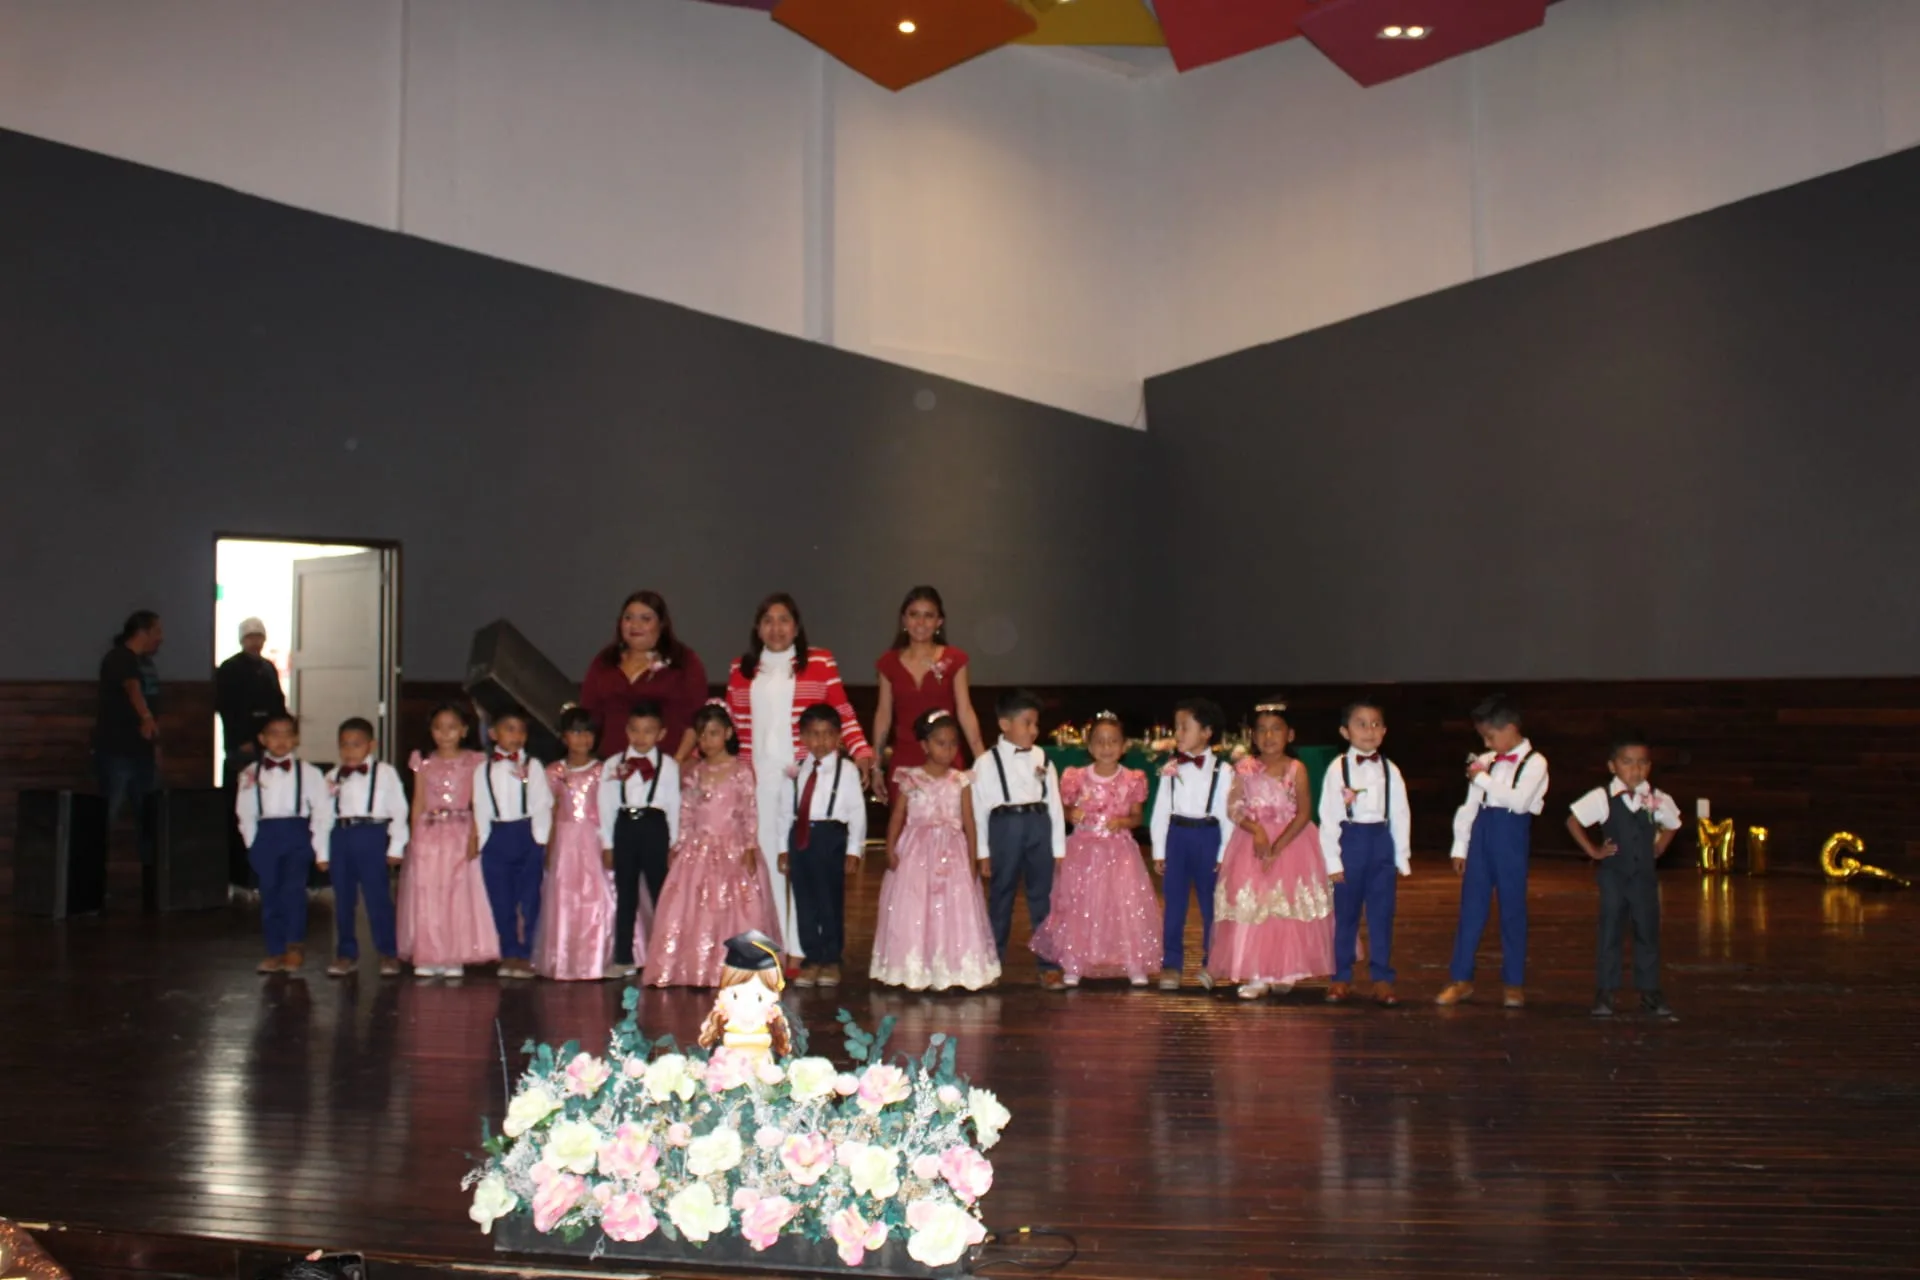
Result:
[[555, 1195], [967, 1171], [807, 1157], [792, 771], [882, 1085], [635, 1068], [1169, 769], [769, 1072], [728, 1069], [631, 1156], [586, 1074], [762, 1219], [846, 1085], [679, 1135], [855, 1235], [628, 1216], [1248, 766], [926, 1167]]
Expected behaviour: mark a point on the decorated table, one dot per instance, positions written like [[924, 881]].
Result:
[[1064, 756]]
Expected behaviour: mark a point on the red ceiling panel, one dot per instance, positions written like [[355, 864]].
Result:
[[1348, 31], [1203, 31], [866, 35]]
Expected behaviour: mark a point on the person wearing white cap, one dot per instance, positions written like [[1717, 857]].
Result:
[[246, 691]]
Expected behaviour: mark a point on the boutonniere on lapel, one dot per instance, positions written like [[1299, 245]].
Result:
[[655, 665], [1170, 769], [1040, 769], [938, 670], [792, 772]]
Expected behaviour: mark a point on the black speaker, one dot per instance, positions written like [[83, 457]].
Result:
[[505, 671], [60, 854], [190, 839]]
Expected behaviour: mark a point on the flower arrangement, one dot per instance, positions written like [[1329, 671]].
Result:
[[655, 1141]]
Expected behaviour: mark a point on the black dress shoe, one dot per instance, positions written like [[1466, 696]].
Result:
[[1655, 1005], [1603, 1004]]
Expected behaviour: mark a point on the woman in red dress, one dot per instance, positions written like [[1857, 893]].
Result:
[[645, 660], [920, 673]]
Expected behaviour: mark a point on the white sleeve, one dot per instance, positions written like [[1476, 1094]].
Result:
[[390, 802], [1157, 822], [1666, 811], [1591, 809], [1520, 793], [982, 810], [1056, 814], [668, 797], [483, 814], [246, 804], [1463, 820], [857, 827], [539, 801], [786, 807], [609, 799], [1221, 794], [1402, 821], [1333, 812], [319, 811]]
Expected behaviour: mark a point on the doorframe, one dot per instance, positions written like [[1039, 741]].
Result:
[[390, 599]]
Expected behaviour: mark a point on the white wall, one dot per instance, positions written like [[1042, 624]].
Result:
[[1027, 223]]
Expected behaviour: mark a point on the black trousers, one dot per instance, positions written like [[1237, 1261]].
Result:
[[1019, 854], [818, 876], [639, 852], [1629, 896]]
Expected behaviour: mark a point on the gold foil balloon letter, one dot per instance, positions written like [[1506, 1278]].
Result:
[[1716, 844], [1838, 858], [1756, 851]]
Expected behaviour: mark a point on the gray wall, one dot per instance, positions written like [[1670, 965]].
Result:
[[1690, 452], [177, 360]]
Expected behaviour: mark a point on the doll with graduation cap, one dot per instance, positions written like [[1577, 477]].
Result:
[[747, 1016]]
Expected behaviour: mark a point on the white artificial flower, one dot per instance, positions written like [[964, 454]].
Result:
[[696, 1214], [988, 1116], [874, 1171], [573, 1145], [940, 1231], [715, 1152], [528, 1109], [492, 1200], [769, 1138], [669, 1075], [810, 1078]]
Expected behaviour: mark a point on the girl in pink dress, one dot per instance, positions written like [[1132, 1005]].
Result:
[[575, 941], [932, 932], [445, 920], [1105, 922], [1273, 909], [717, 883]]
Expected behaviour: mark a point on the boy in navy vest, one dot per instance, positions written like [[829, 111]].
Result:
[[1189, 831], [824, 815], [1492, 839], [1016, 807], [512, 818], [370, 821], [1365, 832], [285, 817], [1637, 824]]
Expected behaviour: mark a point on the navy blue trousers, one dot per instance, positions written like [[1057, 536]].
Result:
[[1019, 851], [357, 861], [281, 855], [1370, 886], [818, 874], [1193, 866], [512, 866], [1496, 866]]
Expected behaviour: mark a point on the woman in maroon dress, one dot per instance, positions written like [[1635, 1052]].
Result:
[[922, 671], [645, 660]]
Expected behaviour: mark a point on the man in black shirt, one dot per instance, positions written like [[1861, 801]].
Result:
[[126, 730], [246, 690]]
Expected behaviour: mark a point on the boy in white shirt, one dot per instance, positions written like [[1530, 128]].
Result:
[[824, 817], [285, 819], [1365, 831], [512, 818], [1637, 824], [1023, 828], [639, 822], [1189, 830], [370, 830]]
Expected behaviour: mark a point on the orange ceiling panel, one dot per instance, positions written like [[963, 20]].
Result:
[[867, 35]]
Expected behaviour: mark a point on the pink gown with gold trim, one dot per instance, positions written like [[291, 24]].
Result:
[[1273, 921]]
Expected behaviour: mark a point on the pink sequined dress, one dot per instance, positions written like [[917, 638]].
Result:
[[576, 900], [445, 919], [714, 889], [1272, 922], [932, 932], [1105, 921]]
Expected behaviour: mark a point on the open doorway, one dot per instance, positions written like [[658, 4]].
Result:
[[330, 611]]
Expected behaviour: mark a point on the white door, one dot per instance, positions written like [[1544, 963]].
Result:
[[340, 665]]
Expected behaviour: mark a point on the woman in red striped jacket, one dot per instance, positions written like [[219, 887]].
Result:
[[768, 686]]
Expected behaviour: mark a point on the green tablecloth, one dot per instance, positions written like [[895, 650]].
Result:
[[1317, 759]]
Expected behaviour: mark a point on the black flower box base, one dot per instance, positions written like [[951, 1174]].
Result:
[[725, 1253]]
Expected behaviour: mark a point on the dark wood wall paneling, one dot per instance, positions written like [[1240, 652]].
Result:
[[1804, 758]]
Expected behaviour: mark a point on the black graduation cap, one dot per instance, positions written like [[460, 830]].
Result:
[[752, 951]]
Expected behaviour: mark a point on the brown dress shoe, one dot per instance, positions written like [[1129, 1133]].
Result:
[[1513, 998], [1169, 979], [829, 975], [340, 968], [807, 977], [389, 967], [1383, 995], [1455, 993], [272, 964], [296, 957], [1339, 992], [1052, 980]]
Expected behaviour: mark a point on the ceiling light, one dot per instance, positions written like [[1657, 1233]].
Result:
[[1390, 33], [906, 27], [1416, 33]]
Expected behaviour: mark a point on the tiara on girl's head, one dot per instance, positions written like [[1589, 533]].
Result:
[[1268, 707], [1107, 716], [717, 702]]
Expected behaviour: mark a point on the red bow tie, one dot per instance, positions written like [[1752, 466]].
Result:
[[348, 770], [278, 764], [1505, 759], [1197, 761], [642, 766], [1372, 759], [506, 757]]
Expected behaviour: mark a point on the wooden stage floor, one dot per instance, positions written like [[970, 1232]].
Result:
[[154, 1087]]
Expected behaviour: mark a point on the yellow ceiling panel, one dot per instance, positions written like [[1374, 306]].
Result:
[[1091, 22]]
